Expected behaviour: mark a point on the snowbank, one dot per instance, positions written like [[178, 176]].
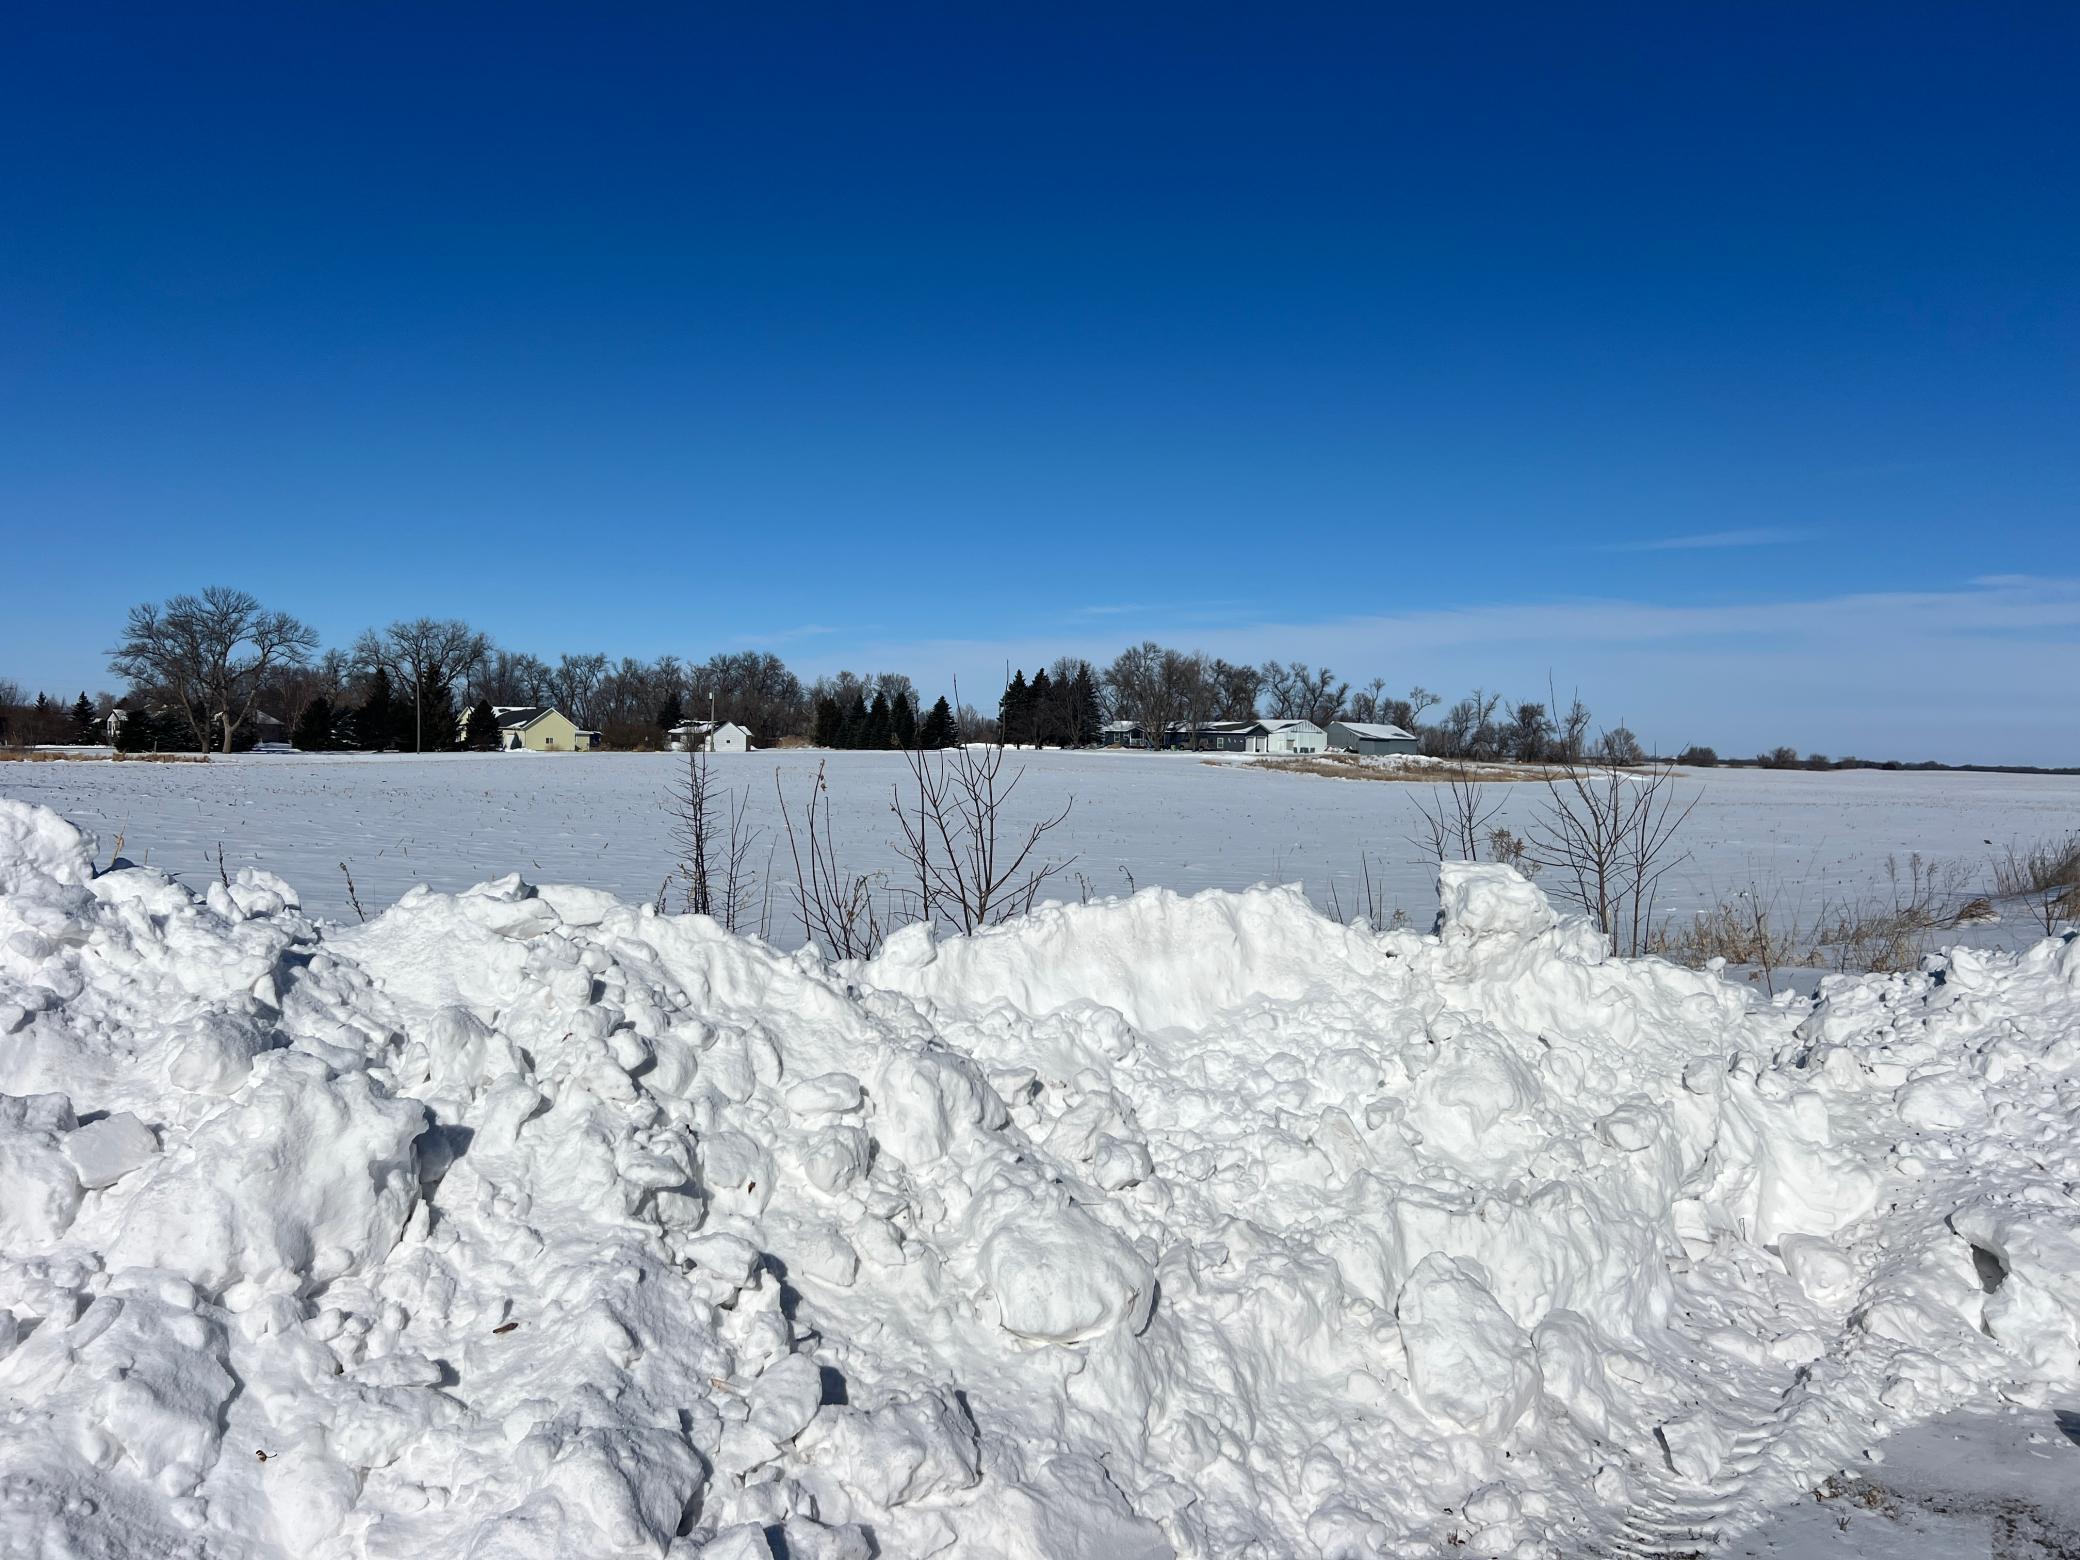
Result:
[[523, 1223]]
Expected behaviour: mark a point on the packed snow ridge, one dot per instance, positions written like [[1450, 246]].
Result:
[[524, 1223]]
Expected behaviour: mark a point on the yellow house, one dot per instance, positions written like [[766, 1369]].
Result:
[[537, 730]]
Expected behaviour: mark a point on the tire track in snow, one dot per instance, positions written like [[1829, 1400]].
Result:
[[1671, 1515]]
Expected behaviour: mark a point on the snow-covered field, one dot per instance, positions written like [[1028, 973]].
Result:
[[520, 1223], [1809, 840]]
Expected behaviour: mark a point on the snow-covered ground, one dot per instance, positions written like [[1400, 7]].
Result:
[[524, 1223], [1976, 1484], [1808, 840]]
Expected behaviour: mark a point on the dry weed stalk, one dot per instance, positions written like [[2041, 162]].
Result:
[[836, 909]]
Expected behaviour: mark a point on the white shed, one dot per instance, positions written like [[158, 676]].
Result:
[[1291, 736], [710, 737]]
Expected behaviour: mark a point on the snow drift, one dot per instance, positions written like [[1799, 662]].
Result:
[[523, 1223]]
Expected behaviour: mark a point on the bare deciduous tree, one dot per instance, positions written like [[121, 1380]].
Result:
[[1370, 702], [1454, 819], [1294, 691], [1620, 746], [1468, 729], [1238, 687], [708, 825], [1529, 733], [1608, 832], [1571, 730], [1140, 691], [210, 655], [426, 656], [970, 871], [505, 677], [574, 686]]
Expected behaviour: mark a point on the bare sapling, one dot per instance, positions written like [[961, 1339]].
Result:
[[1608, 833], [1454, 819], [835, 909], [965, 866], [714, 843]]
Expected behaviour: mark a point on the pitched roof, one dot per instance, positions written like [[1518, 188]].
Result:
[[1364, 728], [517, 717]]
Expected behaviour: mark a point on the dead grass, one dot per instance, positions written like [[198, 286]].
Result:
[[1350, 766], [2041, 868], [2044, 877], [30, 756], [1888, 933], [1739, 930]]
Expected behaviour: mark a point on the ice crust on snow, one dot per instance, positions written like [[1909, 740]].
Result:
[[523, 1223]]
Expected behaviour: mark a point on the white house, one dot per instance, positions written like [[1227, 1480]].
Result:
[[710, 737]]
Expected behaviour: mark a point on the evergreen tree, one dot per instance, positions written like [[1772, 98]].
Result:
[[376, 725], [1040, 726], [137, 733], [853, 733], [439, 730], [830, 724], [937, 730], [673, 714], [876, 733], [86, 725], [43, 724], [173, 732], [903, 721], [1013, 709], [314, 726], [480, 732], [1084, 710]]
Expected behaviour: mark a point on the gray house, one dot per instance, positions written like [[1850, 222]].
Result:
[[1358, 736]]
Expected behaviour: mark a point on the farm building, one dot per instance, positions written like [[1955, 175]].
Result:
[[1357, 736], [1245, 736], [1288, 736], [1221, 736], [710, 737]]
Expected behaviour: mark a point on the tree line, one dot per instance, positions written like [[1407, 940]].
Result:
[[218, 670]]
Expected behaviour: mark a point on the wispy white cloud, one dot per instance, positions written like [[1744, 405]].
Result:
[[1199, 610], [1978, 670], [1760, 536]]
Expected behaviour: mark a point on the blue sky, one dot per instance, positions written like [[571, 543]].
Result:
[[1724, 361]]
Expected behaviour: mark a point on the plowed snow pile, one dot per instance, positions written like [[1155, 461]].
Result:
[[524, 1223]]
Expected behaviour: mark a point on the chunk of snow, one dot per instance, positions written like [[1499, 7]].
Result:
[[1471, 1367], [103, 1152]]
